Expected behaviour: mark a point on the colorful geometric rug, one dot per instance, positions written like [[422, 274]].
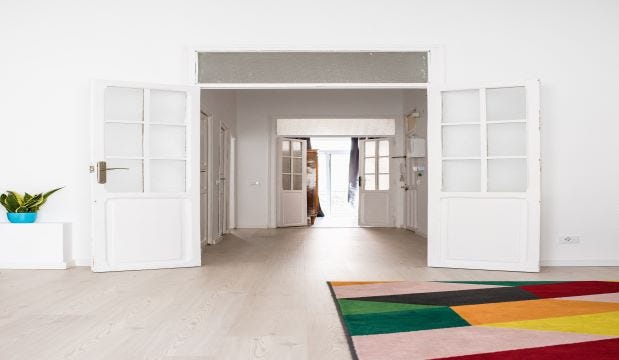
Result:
[[471, 320]]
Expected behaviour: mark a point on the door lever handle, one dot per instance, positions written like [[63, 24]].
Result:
[[102, 171]]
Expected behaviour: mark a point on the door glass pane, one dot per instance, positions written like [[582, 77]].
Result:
[[461, 141], [383, 182], [369, 182], [506, 103], [123, 104], [167, 141], [286, 182], [286, 165], [123, 140], [131, 180], [462, 175], [297, 165], [296, 182], [296, 148], [370, 165], [168, 107], [461, 106], [370, 148], [383, 165], [383, 148], [507, 175], [286, 148], [508, 139], [167, 175]]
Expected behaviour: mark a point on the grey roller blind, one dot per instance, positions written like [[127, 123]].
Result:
[[312, 67]]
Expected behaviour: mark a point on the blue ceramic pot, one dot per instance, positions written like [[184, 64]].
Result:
[[21, 218]]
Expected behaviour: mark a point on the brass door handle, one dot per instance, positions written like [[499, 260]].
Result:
[[102, 171]]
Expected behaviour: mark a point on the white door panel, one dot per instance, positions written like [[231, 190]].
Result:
[[375, 183], [146, 177], [375, 209], [484, 183], [291, 182]]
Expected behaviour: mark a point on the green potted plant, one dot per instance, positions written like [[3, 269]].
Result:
[[23, 208]]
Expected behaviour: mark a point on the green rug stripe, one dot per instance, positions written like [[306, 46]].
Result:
[[353, 307], [401, 321], [505, 283]]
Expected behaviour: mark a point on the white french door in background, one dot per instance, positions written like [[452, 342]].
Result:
[[375, 183], [146, 176], [484, 178], [291, 182]]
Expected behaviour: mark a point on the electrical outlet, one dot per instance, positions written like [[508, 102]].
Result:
[[569, 239]]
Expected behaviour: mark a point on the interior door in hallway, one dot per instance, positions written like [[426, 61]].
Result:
[[375, 183], [222, 181], [291, 182], [484, 178], [145, 176]]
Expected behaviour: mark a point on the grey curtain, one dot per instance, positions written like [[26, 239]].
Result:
[[353, 171]]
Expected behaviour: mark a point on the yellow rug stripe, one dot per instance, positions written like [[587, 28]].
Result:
[[597, 324]]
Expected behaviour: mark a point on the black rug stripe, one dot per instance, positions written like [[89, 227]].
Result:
[[457, 297], [351, 345]]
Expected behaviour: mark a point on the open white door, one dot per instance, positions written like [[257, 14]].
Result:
[[291, 182], [222, 181], [374, 183], [146, 176], [484, 177]]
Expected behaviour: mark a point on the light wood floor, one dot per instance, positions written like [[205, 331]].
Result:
[[260, 295]]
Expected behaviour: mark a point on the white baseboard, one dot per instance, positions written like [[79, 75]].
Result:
[[598, 262], [250, 226], [81, 262], [33, 266]]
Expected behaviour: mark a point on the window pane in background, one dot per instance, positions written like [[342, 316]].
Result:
[[383, 148], [286, 165], [370, 148], [297, 181], [370, 165], [383, 182], [369, 182], [286, 148], [286, 183], [383, 165], [296, 148]]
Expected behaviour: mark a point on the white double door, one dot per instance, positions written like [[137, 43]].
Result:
[[145, 176], [484, 177]]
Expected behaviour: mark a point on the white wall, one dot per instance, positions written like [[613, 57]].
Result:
[[221, 105], [417, 100], [256, 111], [50, 51]]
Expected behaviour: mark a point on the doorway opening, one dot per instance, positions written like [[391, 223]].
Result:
[[337, 187]]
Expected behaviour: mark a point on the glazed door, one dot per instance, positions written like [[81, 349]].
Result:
[[375, 183], [145, 176], [292, 182], [484, 177]]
